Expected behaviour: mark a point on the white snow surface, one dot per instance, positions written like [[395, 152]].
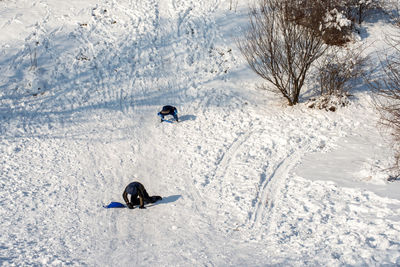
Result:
[[246, 180]]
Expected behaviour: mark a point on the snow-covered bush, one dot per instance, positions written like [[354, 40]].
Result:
[[329, 102], [335, 27], [334, 19], [326, 17]]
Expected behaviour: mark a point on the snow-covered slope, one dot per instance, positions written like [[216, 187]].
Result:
[[246, 181]]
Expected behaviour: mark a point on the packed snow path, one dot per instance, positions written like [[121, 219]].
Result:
[[79, 96]]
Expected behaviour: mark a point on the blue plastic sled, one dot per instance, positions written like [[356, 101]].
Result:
[[167, 120], [115, 205]]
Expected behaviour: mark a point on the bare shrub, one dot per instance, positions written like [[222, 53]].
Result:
[[278, 49], [387, 88], [336, 69]]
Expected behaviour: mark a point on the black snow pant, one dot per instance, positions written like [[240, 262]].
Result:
[[141, 192]]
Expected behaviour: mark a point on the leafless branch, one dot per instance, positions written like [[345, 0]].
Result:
[[279, 50]]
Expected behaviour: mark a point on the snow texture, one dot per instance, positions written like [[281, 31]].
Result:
[[245, 180]]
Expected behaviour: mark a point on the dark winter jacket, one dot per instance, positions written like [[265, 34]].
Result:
[[135, 189], [132, 188], [168, 110]]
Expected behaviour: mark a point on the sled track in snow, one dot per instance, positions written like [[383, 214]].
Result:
[[224, 163], [271, 189], [233, 176]]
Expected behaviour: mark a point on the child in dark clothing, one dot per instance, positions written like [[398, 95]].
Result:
[[136, 189], [168, 110]]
